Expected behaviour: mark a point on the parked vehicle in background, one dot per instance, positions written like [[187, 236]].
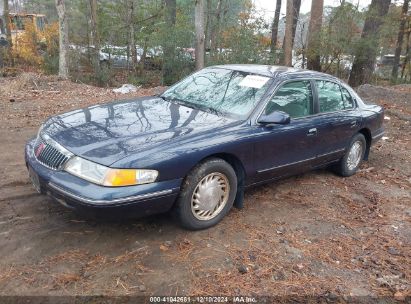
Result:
[[111, 56], [117, 56], [385, 64], [154, 58], [186, 53], [120, 56], [196, 147]]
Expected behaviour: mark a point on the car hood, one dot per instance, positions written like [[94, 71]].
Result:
[[109, 132]]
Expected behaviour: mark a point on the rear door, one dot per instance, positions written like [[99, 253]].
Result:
[[287, 149], [337, 120]]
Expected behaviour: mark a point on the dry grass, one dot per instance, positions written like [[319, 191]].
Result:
[[66, 278], [315, 234], [26, 82]]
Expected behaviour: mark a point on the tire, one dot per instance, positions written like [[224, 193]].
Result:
[[195, 212], [349, 166]]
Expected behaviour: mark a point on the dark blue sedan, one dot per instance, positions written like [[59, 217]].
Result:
[[198, 146]]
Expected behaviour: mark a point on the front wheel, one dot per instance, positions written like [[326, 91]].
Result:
[[352, 159], [207, 194]]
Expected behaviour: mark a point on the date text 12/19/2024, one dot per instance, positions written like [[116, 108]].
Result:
[[203, 299]]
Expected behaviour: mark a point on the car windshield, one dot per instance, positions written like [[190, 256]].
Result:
[[219, 90]]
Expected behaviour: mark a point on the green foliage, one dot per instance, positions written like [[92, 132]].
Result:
[[50, 49], [173, 41], [340, 37], [103, 75], [389, 30], [46, 7], [243, 41], [241, 36], [240, 45], [51, 64]]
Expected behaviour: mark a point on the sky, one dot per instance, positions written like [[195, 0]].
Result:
[[267, 7]]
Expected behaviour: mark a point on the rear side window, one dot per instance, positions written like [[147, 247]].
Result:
[[348, 100], [294, 98], [330, 98]]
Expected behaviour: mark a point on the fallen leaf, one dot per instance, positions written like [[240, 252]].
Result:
[[163, 248]]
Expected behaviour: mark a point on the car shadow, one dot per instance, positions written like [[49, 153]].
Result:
[[164, 221]]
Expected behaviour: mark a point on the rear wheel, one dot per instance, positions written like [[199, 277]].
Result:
[[207, 194], [352, 159]]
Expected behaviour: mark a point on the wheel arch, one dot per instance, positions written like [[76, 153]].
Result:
[[234, 161], [239, 169], [368, 138]]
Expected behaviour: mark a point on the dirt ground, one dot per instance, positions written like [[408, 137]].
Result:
[[313, 234]]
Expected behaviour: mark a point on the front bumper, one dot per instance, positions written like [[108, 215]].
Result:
[[79, 194]]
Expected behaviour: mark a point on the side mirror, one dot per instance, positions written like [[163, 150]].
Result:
[[276, 117]]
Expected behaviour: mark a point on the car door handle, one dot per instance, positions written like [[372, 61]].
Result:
[[353, 124], [312, 132]]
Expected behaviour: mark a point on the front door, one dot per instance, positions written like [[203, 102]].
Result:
[[282, 150]]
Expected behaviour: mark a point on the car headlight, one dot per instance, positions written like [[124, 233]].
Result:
[[109, 177]]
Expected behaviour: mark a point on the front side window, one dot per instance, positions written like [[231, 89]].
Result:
[[220, 90], [330, 98], [294, 98]]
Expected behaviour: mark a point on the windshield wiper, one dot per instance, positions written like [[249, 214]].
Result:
[[212, 111], [192, 105], [173, 100], [203, 108], [163, 97]]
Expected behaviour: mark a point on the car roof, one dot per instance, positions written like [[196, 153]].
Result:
[[275, 71]]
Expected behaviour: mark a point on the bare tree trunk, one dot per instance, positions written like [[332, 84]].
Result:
[[95, 36], [408, 50], [400, 39], [208, 23], [274, 28], [199, 26], [364, 62], [131, 40], [329, 31], [296, 14], [288, 39], [63, 39], [314, 30], [303, 45], [216, 28], [169, 45], [7, 21], [8, 31]]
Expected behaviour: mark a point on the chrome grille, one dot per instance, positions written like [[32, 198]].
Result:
[[50, 154]]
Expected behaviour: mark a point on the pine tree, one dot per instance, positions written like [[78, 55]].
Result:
[[314, 34], [366, 53], [200, 38], [400, 40]]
